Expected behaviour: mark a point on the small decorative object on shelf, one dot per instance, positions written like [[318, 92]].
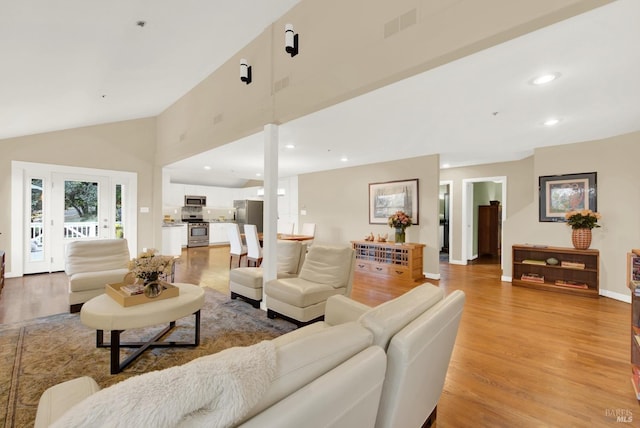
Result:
[[382, 238], [400, 221], [148, 267], [581, 223]]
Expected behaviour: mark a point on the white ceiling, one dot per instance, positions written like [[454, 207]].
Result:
[[72, 63], [479, 109]]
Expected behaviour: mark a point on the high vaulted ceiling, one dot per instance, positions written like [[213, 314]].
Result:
[[479, 109]]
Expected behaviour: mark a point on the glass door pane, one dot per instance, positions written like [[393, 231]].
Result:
[[80, 209], [36, 240], [119, 221]]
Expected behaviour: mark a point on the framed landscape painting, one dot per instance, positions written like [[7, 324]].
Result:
[[391, 196], [560, 194]]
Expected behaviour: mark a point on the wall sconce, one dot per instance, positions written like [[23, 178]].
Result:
[[245, 71], [290, 40]]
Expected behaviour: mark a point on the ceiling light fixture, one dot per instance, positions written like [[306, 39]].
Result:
[[551, 121], [207, 167], [344, 159], [245, 71], [545, 78], [290, 146], [290, 40]]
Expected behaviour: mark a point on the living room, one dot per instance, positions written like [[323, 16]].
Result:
[[144, 146]]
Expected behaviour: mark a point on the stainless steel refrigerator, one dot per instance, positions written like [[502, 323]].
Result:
[[248, 212]]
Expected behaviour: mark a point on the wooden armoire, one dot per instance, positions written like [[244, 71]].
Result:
[[489, 223]]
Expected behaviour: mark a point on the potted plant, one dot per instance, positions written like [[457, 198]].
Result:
[[581, 223]]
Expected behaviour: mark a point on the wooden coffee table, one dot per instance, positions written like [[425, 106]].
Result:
[[103, 313]]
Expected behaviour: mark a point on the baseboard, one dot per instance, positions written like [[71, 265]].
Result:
[[435, 276], [457, 262], [504, 278], [616, 296]]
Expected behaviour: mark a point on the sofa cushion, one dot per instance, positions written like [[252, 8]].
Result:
[[88, 280], [289, 254], [57, 399], [302, 360], [328, 265], [96, 255], [385, 320]]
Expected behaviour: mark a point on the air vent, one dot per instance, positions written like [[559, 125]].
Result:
[[408, 19], [281, 84], [400, 23]]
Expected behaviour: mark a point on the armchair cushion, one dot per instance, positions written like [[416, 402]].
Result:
[[290, 258], [387, 319], [326, 265], [96, 255], [299, 292]]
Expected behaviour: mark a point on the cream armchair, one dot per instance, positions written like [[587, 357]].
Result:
[[326, 271], [246, 282], [90, 265]]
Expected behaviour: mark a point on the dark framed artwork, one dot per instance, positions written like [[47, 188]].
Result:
[[560, 194], [391, 196]]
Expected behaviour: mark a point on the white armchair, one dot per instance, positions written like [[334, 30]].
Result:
[[326, 271]]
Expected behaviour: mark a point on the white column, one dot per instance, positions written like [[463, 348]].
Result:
[[270, 226]]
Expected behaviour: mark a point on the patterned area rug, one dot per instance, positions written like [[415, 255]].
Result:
[[40, 353]]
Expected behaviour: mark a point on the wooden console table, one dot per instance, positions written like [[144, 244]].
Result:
[[403, 262]]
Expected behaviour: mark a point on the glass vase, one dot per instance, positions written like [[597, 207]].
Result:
[[400, 235]]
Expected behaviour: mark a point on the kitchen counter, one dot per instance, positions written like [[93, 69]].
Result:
[[173, 224]]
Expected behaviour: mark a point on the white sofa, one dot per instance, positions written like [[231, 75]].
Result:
[[90, 265], [246, 282], [377, 367]]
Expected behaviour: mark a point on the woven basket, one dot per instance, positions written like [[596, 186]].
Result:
[[581, 238]]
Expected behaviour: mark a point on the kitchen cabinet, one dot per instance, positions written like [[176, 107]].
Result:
[[172, 238], [218, 233]]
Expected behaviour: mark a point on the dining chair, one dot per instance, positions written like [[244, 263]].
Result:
[[285, 227], [254, 250], [235, 244], [308, 229]]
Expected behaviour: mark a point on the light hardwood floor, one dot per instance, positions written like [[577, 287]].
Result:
[[523, 357]]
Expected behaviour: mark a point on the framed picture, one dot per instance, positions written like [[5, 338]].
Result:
[[560, 194], [387, 198]]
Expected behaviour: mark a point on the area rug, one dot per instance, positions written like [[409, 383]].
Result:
[[40, 353]]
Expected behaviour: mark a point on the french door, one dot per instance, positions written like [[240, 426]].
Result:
[[63, 206]]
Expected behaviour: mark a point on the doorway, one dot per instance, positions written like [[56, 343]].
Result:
[[53, 205], [484, 208], [444, 196]]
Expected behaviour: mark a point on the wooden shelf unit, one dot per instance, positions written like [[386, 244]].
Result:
[[386, 259], [552, 273]]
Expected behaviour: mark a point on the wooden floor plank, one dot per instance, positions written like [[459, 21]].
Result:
[[523, 357]]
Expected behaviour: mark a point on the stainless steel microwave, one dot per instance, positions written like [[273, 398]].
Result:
[[195, 201]]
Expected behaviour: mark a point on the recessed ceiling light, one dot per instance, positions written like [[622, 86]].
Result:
[[290, 146], [545, 78], [207, 167], [445, 165], [344, 159], [551, 121], [258, 174]]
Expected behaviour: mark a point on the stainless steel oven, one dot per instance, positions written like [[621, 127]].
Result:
[[198, 234]]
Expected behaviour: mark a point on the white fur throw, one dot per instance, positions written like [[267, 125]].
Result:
[[212, 391]]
